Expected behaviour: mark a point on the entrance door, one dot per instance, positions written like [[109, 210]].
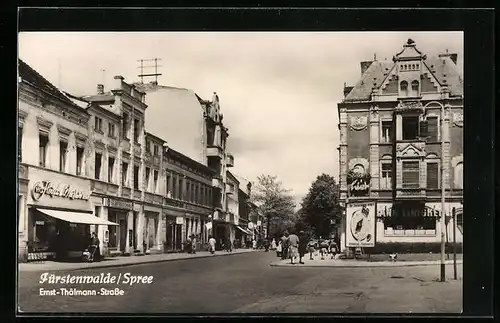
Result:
[[178, 236], [123, 235]]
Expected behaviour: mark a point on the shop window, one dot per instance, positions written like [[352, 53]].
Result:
[[411, 174], [386, 131], [386, 178], [403, 88], [410, 127], [63, 153], [112, 239], [42, 148], [415, 91], [432, 175], [459, 176], [136, 177], [98, 164], [20, 144], [155, 150], [111, 167], [136, 130], [155, 181], [79, 160], [124, 174], [125, 126], [148, 170], [111, 130], [432, 129], [98, 124]]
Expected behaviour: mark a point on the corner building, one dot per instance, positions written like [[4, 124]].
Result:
[[400, 123]]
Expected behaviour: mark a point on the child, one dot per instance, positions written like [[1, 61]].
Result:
[[333, 249]]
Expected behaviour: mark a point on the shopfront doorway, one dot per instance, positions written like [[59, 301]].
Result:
[[123, 235]]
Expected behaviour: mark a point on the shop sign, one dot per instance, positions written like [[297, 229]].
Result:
[[119, 204], [179, 220], [360, 223], [259, 223], [50, 189]]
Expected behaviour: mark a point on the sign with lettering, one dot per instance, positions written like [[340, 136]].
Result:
[[179, 220], [54, 189], [358, 182], [360, 225], [50, 189], [120, 204]]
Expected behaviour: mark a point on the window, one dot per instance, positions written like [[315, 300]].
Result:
[[168, 179], [155, 150], [124, 174], [404, 88], [111, 130], [136, 177], [386, 180], [43, 146], [410, 128], [411, 174], [79, 160], [195, 193], [98, 124], [148, 146], [432, 175], [111, 166], [210, 200], [415, 89], [155, 180], [181, 189], [112, 241], [98, 163], [148, 170], [202, 195], [20, 144], [459, 176], [136, 130], [174, 187], [188, 191], [432, 128], [63, 152], [386, 131], [125, 126]]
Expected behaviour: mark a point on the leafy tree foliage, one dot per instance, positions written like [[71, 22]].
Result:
[[275, 203], [320, 207]]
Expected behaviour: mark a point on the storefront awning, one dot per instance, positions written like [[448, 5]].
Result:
[[243, 230], [76, 217]]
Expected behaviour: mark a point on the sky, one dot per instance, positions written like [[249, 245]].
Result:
[[278, 91]]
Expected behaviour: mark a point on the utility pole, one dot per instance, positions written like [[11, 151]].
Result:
[[443, 219], [454, 243]]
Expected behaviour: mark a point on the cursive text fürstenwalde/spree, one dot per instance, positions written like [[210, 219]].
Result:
[[102, 278], [66, 191]]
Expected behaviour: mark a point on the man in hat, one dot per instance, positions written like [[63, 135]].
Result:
[[302, 246]]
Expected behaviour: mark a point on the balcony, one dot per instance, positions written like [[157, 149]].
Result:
[[410, 193], [137, 195], [229, 160], [98, 186], [126, 192], [153, 198], [215, 151], [217, 182]]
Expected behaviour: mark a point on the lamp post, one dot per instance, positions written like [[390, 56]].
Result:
[[443, 219]]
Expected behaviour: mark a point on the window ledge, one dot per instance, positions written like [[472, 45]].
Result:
[[99, 131], [112, 136]]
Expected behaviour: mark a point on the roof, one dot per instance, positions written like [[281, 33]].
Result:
[[443, 68], [151, 87], [106, 97], [180, 156], [29, 75]]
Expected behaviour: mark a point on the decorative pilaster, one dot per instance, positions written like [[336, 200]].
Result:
[[343, 150], [399, 127], [374, 147], [446, 148]]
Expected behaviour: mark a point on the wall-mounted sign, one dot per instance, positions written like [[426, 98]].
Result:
[[360, 225], [47, 188], [359, 123], [120, 204], [179, 220]]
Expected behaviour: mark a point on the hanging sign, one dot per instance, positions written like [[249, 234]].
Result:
[[259, 223], [179, 220], [360, 225]]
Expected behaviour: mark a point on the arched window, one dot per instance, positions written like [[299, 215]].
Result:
[[404, 88], [459, 176], [414, 88]]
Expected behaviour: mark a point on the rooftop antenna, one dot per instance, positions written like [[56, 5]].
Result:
[[375, 56], [142, 67]]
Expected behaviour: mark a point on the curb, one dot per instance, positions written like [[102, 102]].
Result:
[[374, 264], [137, 263]]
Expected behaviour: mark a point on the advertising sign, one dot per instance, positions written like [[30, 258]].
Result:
[[360, 225]]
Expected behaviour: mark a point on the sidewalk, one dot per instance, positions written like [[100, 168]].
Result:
[[317, 262], [122, 261]]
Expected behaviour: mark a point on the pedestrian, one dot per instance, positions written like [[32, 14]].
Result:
[[95, 251], [302, 246], [333, 248], [273, 244], [227, 245], [310, 246], [193, 244], [254, 244], [284, 246], [323, 247], [211, 244], [293, 247], [279, 249]]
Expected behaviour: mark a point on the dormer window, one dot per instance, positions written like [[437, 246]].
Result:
[[404, 88], [415, 89]]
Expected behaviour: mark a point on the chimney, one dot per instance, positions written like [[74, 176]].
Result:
[[365, 65], [100, 89]]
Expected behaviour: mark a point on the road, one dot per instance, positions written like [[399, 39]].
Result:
[[245, 283]]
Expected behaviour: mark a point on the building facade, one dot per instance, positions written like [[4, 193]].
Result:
[[401, 129]]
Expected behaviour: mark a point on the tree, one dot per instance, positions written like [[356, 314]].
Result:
[[274, 202], [320, 207]]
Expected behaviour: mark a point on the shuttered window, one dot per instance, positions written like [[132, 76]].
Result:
[[432, 176], [411, 174], [432, 128]]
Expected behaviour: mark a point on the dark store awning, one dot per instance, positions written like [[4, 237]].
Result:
[[243, 230], [76, 217]]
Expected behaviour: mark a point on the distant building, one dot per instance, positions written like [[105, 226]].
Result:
[[391, 137]]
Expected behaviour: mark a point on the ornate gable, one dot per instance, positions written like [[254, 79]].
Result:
[[410, 150]]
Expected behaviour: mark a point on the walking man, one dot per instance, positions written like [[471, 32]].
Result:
[[284, 246], [302, 246], [293, 247], [211, 244]]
